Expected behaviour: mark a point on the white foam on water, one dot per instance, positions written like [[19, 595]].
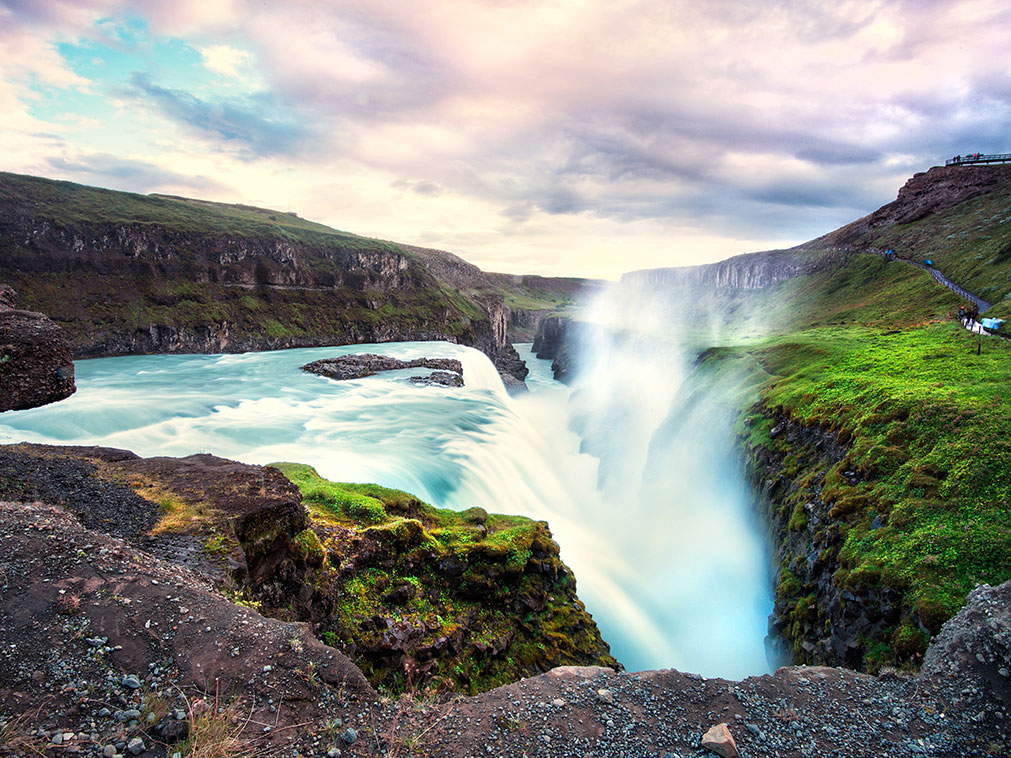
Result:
[[660, 596]]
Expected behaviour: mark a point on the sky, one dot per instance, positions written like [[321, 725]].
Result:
[[552, 137]]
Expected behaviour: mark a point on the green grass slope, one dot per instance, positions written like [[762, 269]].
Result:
[[957, 217], [70, 204], [917, 509]]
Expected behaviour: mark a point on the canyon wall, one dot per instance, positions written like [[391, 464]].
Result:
[[126, 274]]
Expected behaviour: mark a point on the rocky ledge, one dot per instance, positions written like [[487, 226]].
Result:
[[35, 363], [447, 372], [418, 597], [560, 338], [109, 649]]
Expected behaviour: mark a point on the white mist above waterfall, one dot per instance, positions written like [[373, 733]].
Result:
[[662, 596], [671, 479]]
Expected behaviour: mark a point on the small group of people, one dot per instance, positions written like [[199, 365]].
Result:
[[968, 315], [960, 158]]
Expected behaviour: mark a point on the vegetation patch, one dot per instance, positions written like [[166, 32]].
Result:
[[429, 599], [917, 508]]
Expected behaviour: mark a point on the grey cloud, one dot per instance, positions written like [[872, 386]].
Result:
[[423, 188], [130, 175], [253, 126], [829, 154]]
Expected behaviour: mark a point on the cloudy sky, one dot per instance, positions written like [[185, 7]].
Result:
[[565, 137]]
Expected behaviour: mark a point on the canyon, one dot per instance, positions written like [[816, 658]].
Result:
[[860, 482]]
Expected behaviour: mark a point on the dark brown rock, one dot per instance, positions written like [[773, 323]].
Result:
[[361, 365], [35, 363]]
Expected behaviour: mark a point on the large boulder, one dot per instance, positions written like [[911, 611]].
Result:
[[35, 363], [975, 644]]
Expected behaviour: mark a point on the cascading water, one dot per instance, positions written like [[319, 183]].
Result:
[[671, 480], [651, 593]]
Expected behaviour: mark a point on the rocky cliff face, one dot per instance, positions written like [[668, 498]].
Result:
[[743, 272], [819, 621], [523, 323], [35, 363], [183, 276], [558, 338], [925, 194]]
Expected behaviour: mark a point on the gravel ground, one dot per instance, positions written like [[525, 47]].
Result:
[[99, 504]]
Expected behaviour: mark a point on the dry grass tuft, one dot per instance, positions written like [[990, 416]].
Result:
[[215, 731]]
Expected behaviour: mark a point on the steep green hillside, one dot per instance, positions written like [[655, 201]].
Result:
[[957, 217], [880, 432], [970, 244], [77, 205]]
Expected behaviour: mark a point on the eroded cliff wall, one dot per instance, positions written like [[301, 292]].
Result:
[[128, 274]]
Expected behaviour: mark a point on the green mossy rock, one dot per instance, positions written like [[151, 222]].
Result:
[[432, 599]]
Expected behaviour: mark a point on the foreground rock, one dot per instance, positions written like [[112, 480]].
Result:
[[112, 641], [35, 363], [720, 741], [345, 367], [975, 645], [97, 634], [417, 596]]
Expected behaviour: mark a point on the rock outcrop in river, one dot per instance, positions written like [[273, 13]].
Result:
[[448, 371]]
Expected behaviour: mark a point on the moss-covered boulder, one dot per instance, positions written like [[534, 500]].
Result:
[[431, 599]]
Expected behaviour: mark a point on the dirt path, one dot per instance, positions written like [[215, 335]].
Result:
[[980, 303]]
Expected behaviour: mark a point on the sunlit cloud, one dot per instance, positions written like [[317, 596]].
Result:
[[223, 59]]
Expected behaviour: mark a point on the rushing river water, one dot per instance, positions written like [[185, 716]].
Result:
[[669, 564]]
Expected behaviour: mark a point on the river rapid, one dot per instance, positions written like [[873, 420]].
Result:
[[656, 523]]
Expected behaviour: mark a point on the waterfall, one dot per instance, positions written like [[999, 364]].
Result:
[[670, 485], [455, 448]]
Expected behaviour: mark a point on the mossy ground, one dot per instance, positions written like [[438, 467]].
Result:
[[928, 426], [432, 599], [924, 408]]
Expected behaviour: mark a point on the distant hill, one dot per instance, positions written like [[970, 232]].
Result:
[[956, 216], [126, 273]]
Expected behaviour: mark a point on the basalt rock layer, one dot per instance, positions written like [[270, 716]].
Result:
[[820, 621], [743, 272], [127, 274]]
